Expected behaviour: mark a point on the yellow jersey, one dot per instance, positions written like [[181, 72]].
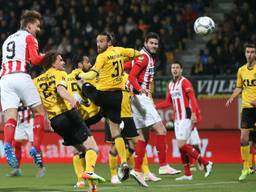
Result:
[[86, 108], [126, 110], [109, 66], [246, 79], [47, 84]]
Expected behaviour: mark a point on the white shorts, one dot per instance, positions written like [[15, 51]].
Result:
[[18, 87], [182, 129], [144, 111], [194, 138], [24, 131]]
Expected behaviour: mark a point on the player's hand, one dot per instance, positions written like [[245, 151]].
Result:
[[74, 103], [193, 118], [229, 101], [253, 103], [143, 92], [77, 77], [80, 83]]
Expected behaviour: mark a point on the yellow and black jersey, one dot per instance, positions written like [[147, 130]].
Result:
[[47, 87], [126, 110], [109, 66], [246, 79], [86, 108]]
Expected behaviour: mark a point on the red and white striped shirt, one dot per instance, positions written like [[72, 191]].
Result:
[[25, 115], [182, 97], [18, 50], [142, 72]]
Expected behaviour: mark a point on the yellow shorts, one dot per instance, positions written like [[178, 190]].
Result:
[[126, 110]]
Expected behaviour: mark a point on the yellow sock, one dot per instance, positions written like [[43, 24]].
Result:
[[144, 166], [79, 166], [250, 160], [130, 158], [112, 162], [245, 154], [91, 182], [90, 159], [120, 147]]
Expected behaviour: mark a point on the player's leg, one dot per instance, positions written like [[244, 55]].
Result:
[[20, 136], [113, 164], [140, 151], [9, 103], [130, 135], [148, 175], [247, 124], [123, 170], [182, 133], [195, 141], [112, 155], [10, 116], [17, 148], [161, 145], [90, 155], [12, 86], [31, 98], [110, 102], [72, 128], [185, 161], [252, 138], [28, 129], [129, 132], [118, 140], [245, 153], [39, 124], [79, 167]]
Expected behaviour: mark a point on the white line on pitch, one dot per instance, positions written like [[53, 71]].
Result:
[[172, 185]]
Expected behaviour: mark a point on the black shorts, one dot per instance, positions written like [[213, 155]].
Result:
[[71, 127], [109, 101], [127, 132], [248, 119], [93, 120], [252, 136]]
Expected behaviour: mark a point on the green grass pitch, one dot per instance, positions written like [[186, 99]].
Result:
[[61, 178]]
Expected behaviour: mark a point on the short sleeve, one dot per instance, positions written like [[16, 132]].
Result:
[[100, 60], [61, 78], [239, 81]]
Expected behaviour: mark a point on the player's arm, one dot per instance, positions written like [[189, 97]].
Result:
[[139, 64], [32, 45], [128, 65], [62, 91], [187, 87], [166, 103], [238, 90], [91, 74], [131, 54], [94, 71], [61, 87]]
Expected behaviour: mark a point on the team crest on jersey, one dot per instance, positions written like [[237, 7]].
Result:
[[141, 57]]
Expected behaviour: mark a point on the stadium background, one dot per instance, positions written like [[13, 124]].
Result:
[[70, 26]]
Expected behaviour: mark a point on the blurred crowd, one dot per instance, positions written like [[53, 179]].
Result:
[[224, 53], [70, 26]]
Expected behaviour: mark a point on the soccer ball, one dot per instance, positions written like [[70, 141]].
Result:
[[204, 25]]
